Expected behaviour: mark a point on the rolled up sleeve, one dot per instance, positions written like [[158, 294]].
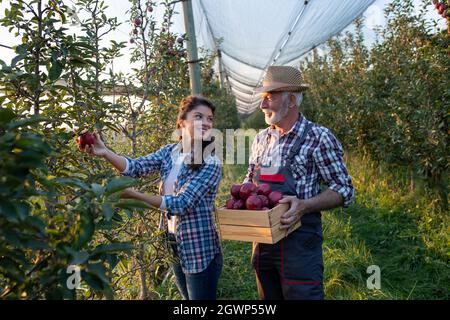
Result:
[[328, 157], [205, 181]]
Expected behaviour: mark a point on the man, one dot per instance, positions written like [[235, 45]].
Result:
[[295, 156]]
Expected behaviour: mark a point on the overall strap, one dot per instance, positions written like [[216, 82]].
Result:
[[298, 143]]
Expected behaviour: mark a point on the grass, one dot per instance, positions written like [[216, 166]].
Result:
[[399, 230]]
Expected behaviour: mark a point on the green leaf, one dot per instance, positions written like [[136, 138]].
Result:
[[55, 70], [6, 115], [112, 247], [16, 59], [36, 223], [22, 210], [92, 280], [98, 270], [85, 228], [36, 245], [8, 210], [78, 257], [84, 45], [26, 122], [107, 211], [72, 182], [97, 189], [119, 184], [132, 204]]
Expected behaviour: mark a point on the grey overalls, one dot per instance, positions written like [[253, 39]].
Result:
[[293, 267]]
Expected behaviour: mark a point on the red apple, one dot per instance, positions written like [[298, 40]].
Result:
[[180, 40], [230, 203], [137, 22], [85, 139], [264, 189], [246, 190], [265, 200], [135, 31], [150, 9], [239, 204], [254, 203], [235, 190], [274, 197]]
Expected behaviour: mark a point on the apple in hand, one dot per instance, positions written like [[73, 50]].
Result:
[[85, 139]]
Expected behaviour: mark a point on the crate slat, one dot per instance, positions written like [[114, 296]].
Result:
[[253, 226], [243, 218], [278, 234], [246, 233]]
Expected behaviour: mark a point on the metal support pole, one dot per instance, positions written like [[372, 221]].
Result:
[[194, 67], [221, 76]]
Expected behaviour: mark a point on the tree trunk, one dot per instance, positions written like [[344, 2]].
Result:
[[143, 294]]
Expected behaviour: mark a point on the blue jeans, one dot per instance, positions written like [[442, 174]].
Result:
[[202, 285]]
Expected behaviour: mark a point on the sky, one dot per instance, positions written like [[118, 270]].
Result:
[[373, 16]]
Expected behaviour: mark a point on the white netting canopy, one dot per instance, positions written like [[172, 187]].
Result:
[[254, 34]]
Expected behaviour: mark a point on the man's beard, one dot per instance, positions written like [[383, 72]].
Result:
[[276, 117]]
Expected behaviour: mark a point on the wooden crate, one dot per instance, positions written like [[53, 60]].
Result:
[[253, 226]]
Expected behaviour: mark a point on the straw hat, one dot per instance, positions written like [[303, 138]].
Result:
[[282, 78]]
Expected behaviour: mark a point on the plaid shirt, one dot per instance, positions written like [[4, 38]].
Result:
[[319, 159], [192, 202]]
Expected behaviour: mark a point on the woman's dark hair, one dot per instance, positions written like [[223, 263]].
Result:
[[188, 104]]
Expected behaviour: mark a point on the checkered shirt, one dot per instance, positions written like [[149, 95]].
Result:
[[319, 160], [192, 202]]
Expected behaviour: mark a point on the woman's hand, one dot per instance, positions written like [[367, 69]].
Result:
[[98, 148]]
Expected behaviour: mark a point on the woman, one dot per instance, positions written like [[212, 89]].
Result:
[[190, 184]]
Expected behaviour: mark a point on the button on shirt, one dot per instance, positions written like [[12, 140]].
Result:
[[320, 159]]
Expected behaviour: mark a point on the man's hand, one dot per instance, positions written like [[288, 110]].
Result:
[[297, 209]]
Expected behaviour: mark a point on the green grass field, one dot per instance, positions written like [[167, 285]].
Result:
[[388, 225]]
